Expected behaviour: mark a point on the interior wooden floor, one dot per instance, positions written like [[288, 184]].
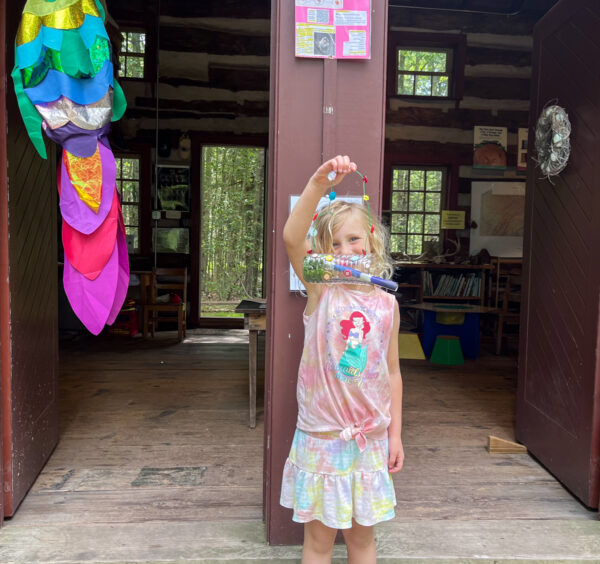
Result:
[[158, 431]]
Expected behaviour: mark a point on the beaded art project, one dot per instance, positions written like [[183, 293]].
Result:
[[330, 269]]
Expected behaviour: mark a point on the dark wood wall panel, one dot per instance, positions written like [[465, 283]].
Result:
[[30, 390], [558, 407], [4, 286]]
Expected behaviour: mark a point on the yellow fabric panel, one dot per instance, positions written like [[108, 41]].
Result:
[[71, 17]]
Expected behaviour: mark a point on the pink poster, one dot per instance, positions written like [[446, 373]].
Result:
[[333, 29]]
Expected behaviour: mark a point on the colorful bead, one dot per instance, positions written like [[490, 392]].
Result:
[[315, 216], [329, 258], [309, 251], [332, 196], [372, 228], [365, 179], [366, 198]]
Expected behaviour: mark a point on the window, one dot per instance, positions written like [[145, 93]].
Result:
[[424, 72], [417, 196], [426, 65], [128, 184], [133, 51]]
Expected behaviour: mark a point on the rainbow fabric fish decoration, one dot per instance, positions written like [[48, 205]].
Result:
[[64, 82]]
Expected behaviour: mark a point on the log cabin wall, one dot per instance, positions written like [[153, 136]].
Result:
[[212, 60], [214, 77], [495, 92]]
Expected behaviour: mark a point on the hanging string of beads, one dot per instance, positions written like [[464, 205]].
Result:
[[332, 196]]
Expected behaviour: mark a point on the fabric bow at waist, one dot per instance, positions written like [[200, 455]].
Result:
[[356, 432]]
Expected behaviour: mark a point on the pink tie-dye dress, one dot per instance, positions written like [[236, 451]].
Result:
[[337, 467]]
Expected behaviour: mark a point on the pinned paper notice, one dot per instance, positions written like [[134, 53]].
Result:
[[333, 29], [453, 219]]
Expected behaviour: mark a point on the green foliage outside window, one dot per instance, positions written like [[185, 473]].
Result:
[[131, 59], [233, 186], [424, 72], [416, 209]]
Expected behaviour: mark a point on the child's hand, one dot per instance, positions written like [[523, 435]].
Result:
[[341, 165], [396, 459]]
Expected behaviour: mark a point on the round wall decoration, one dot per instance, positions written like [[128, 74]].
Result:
[[552, 140]]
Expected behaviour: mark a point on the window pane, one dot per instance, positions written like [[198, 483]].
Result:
[[439, 85], [406, 84], [398, 243], [423, 61], [400, 179], [434, 180], [415, 223], [122, 65], [417, 180], [130, 192], [407, 60], [438, 62], [399, 223], [133, 233], [131, 169], [416, 201], [432, 202], [136, 42], [432, 224], [414, 245], [423, 85], [130, 214], [175, 240], [400, 201], [135, 67]]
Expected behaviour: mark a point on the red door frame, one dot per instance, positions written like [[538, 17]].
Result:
[[4, 296], [317, 109]]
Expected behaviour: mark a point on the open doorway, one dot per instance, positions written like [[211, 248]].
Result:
[[232, 228]]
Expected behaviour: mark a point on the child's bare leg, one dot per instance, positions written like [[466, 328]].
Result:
[[361, 544], [318, 543]]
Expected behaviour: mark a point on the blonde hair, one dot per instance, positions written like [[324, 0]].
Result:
[[332, 217]]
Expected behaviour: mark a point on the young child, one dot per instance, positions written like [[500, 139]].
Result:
[[347, 440]]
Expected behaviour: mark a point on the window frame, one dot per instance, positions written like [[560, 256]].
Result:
[[127, 54], [454, 43], [443, 201], [119, 182]]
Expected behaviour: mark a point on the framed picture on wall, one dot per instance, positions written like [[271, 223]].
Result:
[[498, 210], [173, 187]]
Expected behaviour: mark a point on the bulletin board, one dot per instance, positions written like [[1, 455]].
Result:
[[333, 29]]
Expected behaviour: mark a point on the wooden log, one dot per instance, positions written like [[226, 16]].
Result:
[[492, 56], [462, 119], [496, 445], [182, 39], [440, 20]]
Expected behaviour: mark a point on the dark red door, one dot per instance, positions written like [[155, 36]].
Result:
[[28, 294], [559, 386]]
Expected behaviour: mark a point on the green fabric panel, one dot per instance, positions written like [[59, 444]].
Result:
[[74, 59], [31, 118], [119, 102], [101, 10], [44, 8]]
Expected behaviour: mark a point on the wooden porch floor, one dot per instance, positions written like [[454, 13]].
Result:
[[156, 432]]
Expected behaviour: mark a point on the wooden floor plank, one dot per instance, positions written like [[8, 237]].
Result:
[[157, 430]]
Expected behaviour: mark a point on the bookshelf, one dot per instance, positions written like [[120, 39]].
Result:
[[432, 282]]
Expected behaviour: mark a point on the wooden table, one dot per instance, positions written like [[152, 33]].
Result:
[[255, 320]]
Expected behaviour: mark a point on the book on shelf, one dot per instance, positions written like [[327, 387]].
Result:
[[457, 285]]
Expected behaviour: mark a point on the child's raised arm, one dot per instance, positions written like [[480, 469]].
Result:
[[298, 224]]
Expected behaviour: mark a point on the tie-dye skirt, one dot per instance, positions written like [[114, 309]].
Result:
[[330, 479]]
